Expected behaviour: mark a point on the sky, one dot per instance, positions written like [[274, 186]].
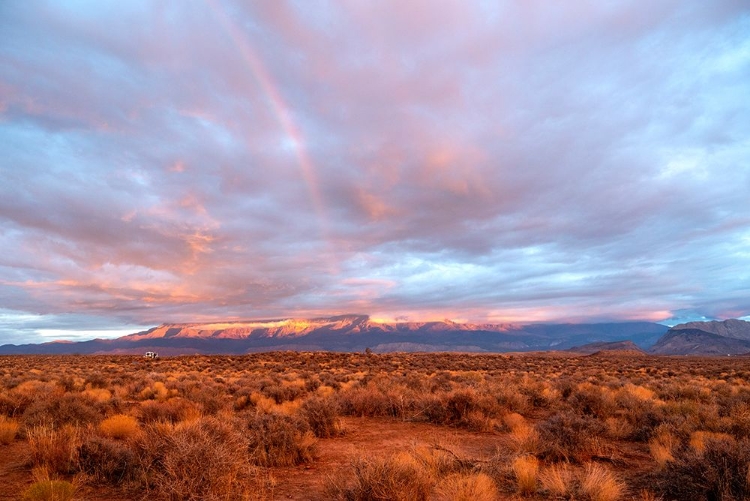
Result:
[[509, 161]]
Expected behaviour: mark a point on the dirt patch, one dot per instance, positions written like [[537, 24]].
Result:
[[373, 437], [15, 476]]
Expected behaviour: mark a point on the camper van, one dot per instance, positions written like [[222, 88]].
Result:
[[152, 354]]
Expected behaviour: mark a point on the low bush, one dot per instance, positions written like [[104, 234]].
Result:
[[279, 440], [107, 461], [525, 469], [49, 490], [396, 478], [557, 480], [718, 472], [466, 487], [322, 416], [173, 411], [58, 410], [600, 484], [368, 401], [569, 437], [8, 430], [202, 459]]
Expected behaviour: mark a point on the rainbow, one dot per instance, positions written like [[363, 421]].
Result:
[[279, 108]]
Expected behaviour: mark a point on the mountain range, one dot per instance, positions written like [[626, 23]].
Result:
[[359, 332], [353, 333]]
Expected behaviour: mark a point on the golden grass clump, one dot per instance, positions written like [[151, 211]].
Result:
[[262, 403], [466, 487], [662, 447], [55, 449], [557, 479], [618, 427], [526, 469], [698, 439], [600, 484], [523, 437], [399, 478], [8, 430], [513, 420], [438, 459], [119, 426], [156, 391], [639, 392], [98, 394], [45, 488]]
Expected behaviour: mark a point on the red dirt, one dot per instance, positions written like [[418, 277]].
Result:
[[15, 476], [373, 437]]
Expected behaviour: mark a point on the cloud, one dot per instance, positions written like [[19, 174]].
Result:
[[169, 162]]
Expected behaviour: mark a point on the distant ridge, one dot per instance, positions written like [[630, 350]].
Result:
[[732, 328], [621, 347], [729, 337], [353, 333]]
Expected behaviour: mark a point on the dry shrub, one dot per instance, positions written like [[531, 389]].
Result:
[[397, 478], [698, 439], [513, 420], [661, 447], [459, 408], [523, 438], [644, 417], [261, 402], [322, 416], [242, 402], [288, 407], [525, 469], [173, 411], [639, 392], [119, 426], [459, 405], [367, 401], [106, 460], [618, 428], [600, 484], [201, 459], [156, 391], [55, 449], [99, 395], [8, 430], [13, 404], [591, 400], [557, 480], [58, 410], [646, 495], [569, 437], [280, 440], [438, 460], [466, 487], [720, 472], [477, 420]]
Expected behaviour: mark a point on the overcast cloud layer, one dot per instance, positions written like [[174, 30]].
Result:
[[486, 161]]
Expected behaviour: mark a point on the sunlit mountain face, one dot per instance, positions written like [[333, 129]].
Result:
[[486, 162], [358, 333]]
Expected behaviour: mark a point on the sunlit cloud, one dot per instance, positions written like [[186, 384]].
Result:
[[510, 162]]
